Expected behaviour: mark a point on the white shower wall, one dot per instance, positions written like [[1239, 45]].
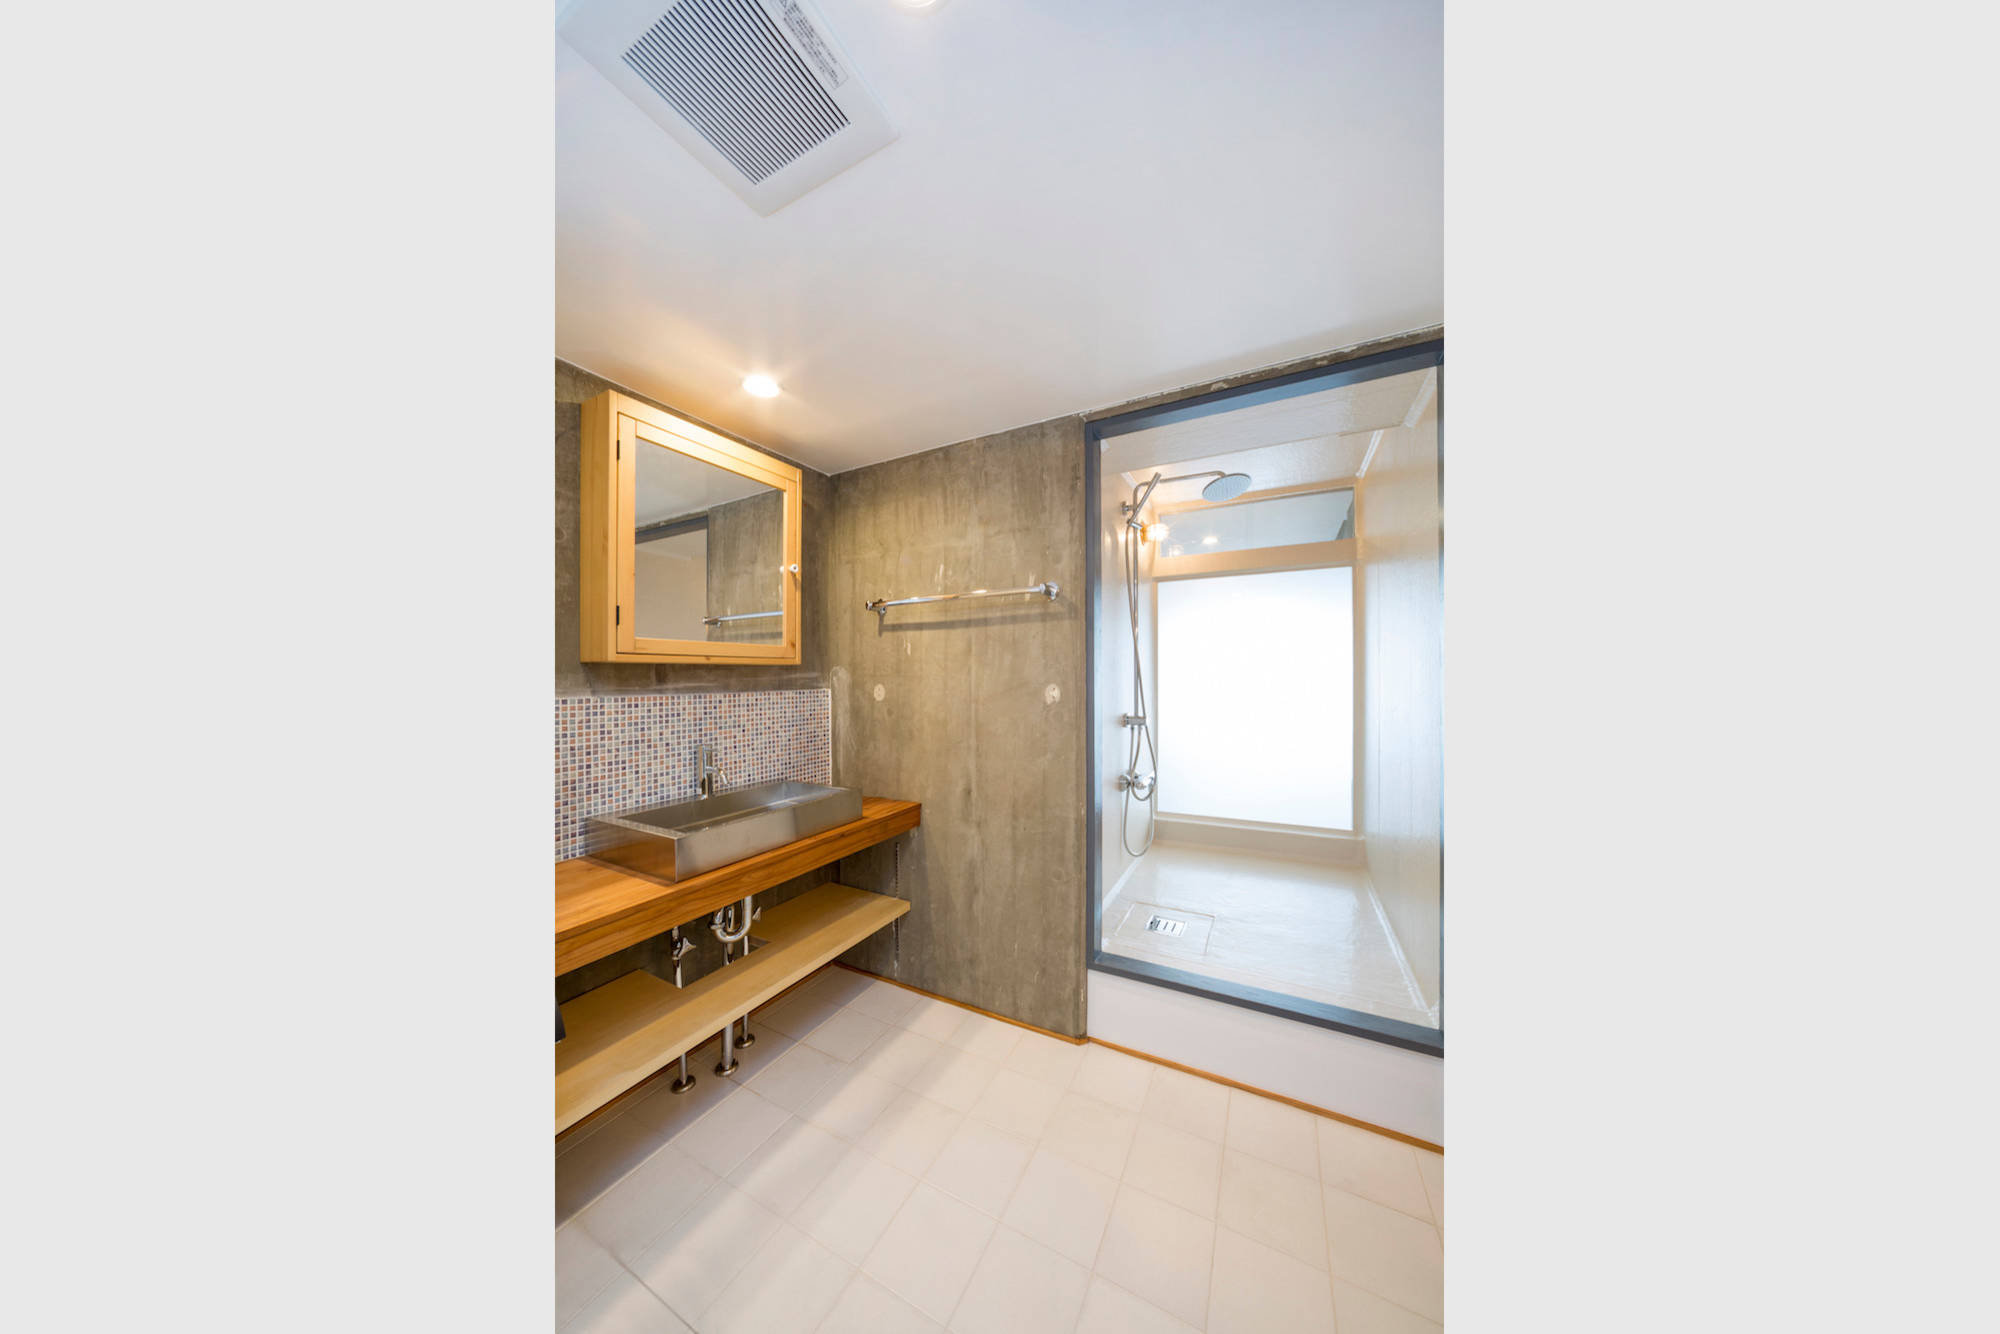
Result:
[[1402, 768]]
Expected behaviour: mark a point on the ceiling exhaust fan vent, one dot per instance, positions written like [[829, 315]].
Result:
[[757, 90]]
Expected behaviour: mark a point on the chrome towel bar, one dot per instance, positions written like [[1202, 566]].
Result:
[[881, 607]]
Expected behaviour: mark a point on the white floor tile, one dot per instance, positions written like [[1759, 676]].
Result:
[[930, 1250], [1109, 1309], [1372, 1166], [788, 1166], [1090, 1132], [733, 1127], [1258, 1289], [797, 1013], [933, 1018], [1062, 1204], [1273, 1205], [750, 1061], [898, 1056], [847, 1034], [1113, 1077], [849, 1211], [583, 1268], [1359, 1311], [984, 1036], [689, 1267], [981, 1165], [626, 1306], [885, 1002], [793, 1078], [1179, 1168], [1274, 1131], [1159, 1252], [848, 1103], [1017, 1104], [956, 1079], [866, 1307], [789, 1286], [633, 1214], [910, 1131], [591, 1166], [674, 1112], [1385, 1251], [842, 986], [1045, 1058], [1187, 1102], [1020, 1287], [1430, 1166]]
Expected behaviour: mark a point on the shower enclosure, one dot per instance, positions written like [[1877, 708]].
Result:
[[1266, 696]]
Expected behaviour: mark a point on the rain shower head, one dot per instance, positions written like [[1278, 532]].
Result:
[[1227, 487]]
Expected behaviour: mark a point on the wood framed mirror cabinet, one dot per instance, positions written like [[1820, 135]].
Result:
[[690, 542]]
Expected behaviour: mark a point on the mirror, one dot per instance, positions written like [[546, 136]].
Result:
[[707, 551], [688, 544]]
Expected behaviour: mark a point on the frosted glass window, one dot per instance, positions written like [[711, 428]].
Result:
[[1321, 516], [1256, 697]]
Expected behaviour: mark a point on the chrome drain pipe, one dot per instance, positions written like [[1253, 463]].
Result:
[[732, 925], [682, 946]]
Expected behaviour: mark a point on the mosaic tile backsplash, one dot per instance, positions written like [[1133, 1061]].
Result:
[[617, 752]]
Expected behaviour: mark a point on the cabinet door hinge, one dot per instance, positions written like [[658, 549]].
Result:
[[617, 615]]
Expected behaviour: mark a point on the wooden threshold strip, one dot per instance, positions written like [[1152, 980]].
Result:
[[1328, 1113], [1316, 1110]]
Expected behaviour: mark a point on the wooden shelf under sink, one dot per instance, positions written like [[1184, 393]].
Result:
[[623, 1031], [600, 909]]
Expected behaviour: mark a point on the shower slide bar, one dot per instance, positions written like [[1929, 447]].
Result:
[[740, 616], [881, 608]]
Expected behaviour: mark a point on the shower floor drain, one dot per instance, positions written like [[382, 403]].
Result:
[[1166, 926]]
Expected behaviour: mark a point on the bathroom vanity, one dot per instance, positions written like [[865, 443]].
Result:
[[625, 1030]]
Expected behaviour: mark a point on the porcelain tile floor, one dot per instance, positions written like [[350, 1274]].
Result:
[[957, 1173], [1299, 928]]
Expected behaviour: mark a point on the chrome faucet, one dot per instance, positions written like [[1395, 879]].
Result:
[[704, 764]]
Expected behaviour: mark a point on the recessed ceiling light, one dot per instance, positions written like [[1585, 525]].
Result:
[[760, 386], [921, 4]]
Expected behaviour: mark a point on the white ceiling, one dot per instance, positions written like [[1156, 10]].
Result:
[[1088, 202], [1321, 436]]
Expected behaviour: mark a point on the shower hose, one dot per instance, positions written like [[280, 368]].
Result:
[[1142, 734]]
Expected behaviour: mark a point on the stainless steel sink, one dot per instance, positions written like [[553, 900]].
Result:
[[675, 842]]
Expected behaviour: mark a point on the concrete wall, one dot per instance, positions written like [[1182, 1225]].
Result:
[[974, 709], [1402, 719], [574, 386]]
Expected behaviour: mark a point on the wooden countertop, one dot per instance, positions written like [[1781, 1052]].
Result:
[[600, 909]]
